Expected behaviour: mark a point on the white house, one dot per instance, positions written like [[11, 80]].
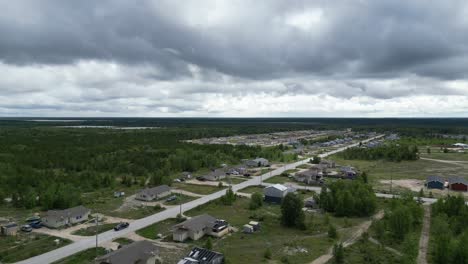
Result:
[[70, 216], [154, 193]]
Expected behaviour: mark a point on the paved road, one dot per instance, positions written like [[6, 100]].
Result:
[[78, 246]]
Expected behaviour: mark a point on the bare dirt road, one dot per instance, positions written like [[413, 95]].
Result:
[[354, 237], [424, 240]]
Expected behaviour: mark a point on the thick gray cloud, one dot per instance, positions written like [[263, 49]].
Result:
[[197, 58]]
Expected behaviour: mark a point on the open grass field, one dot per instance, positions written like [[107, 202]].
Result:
[[137, 213], [123, 241], [436, 153], [195, 188], [91, 231], [85, 256], [252, 189], [162, 227], [367, 252], [297, 246], [234, 180], [23, 246]]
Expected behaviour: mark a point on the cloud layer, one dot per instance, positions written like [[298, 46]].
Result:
[[234, 58]]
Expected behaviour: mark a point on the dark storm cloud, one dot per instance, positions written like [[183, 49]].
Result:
[[356, 38]]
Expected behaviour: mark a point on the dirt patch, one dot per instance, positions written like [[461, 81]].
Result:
[[412, 184]]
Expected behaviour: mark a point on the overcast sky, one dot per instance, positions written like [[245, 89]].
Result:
[[234, 58]]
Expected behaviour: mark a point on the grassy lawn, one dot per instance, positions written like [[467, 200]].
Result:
[[298, 246], [181, 198], [91, 231], [157, 228], [17, 215], [280, 179], [304, 166], [367, 252], [137, 213], [104, 202], [195, 188], [234, 180], [85, 256], [252, 189], [123, 241], [23, 246], [436, 153]]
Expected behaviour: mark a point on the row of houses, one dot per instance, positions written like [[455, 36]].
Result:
[[453, 183]]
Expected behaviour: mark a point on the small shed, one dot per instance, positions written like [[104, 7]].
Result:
[[435, 182], [458, 184], [255, 225], [275, 193], [9, 229], [248, 229]]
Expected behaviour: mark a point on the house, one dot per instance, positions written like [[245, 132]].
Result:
[[155, 193], [118, 194], [435, 182], [214, 175], [141, 252], [70, 216], [458, 184], [258, 162], [202, 256], [9, 229], [328, 163], [186, 175], [255, 225], [276, 192], [248, 229], [237, 171], [311, 176], [198, 226]]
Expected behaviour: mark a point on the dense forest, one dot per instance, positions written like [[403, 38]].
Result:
[[449, 234], [389, 152], [57, 164]]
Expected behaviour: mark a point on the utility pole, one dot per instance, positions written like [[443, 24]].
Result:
[[97, 226]]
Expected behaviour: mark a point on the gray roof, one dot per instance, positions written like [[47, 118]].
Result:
[[136, 252], [214, 175], [435, 179], [156, 190], [308, 173], [70, 212], [197, 222], [458, 180]]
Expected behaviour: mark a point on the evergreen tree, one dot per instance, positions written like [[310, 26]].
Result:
[[256, 201], [291, 211]]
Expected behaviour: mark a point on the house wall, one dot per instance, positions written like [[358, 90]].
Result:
[[79, 219], [435, 185], [144, 197], [195, 235], [272, 199], [458, 187], [270, 191], [53, 222], [180, 236], [218, 234], [164, 194]]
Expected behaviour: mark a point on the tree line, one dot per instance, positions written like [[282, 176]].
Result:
[[389, 152]]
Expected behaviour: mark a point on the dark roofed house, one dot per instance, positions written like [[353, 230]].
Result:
[[198, 226], [215, 175], [458, 184], [141, 252], [150, 194], [435, 182], [60, 218], [202, 256]]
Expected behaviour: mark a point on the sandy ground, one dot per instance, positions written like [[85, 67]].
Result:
[[209, 183], [412, 184], [354, 237]]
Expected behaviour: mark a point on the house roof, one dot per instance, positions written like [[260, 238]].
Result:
[[435, 179], [197, 223], [70, 212], [136, 252], [454, 180], [10, 225], [200, 255], [156, 190], [279, 187], [308, 173], [260, 160]]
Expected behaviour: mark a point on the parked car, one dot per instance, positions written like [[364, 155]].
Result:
[[121, 226], [26, 228], [171, 198], [36, 224], [33, 219]]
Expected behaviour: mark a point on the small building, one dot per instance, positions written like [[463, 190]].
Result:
[[458, 184], [214, 175], [70, 216], [118, 194], [155, 193], [348, 172], [141, 252], [199, 226], [9, 229], [275, 193], [435, 182], [311, 176], [255, 225], [258, 162], [202, 256], [248, 229], [186, 175], [328, 163]]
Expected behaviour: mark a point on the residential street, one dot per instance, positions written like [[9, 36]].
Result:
[[78, 246]]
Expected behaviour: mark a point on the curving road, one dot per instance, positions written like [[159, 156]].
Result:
[[78, 246]]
